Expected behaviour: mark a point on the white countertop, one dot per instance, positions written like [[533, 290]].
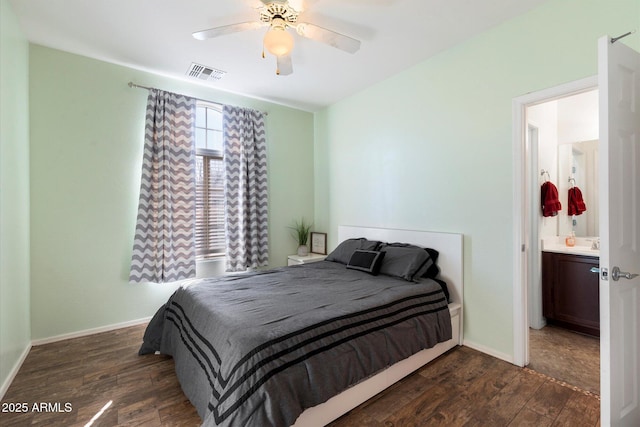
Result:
[[582, 247], [576, 250]]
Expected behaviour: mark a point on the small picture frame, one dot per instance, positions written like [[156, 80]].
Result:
[[318, 243]]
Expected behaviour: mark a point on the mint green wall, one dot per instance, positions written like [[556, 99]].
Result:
[[15, 329], [431, 148], [87, 130]]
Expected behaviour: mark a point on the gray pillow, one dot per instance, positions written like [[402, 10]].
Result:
[[405, 262], [345, 250], [430, 269]]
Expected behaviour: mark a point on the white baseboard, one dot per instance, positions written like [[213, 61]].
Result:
[[491, 352], [14, 371], [92, 331]]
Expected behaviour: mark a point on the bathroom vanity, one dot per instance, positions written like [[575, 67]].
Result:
[[570, 290]]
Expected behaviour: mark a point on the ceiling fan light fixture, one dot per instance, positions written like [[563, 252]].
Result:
[[280, 15], [278, 41]]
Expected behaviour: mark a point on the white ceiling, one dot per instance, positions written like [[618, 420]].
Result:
[[155, 36]]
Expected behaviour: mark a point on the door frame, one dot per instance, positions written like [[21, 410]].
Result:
[[524, 210]]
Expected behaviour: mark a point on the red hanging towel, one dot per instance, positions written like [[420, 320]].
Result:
[[549, 199], [576, 203]]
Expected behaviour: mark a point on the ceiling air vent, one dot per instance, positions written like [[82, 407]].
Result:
[[202, 72]]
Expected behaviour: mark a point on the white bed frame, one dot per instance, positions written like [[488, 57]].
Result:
[[451, 266]]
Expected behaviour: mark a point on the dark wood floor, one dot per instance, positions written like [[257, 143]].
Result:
[[101, 377]]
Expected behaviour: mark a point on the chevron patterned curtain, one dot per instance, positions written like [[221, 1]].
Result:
[[246, 196], [164, 245]]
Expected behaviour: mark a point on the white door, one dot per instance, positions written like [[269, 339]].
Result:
[[619, 83]]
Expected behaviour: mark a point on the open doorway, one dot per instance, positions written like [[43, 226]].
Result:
[[557, 132], [563, 293]]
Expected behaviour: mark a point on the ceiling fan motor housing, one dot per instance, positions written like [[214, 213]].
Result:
[[277, 10]]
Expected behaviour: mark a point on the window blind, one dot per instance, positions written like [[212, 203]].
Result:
[[210, 226]]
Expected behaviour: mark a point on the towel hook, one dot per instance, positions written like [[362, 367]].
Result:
[[572, 181], [543, 172]]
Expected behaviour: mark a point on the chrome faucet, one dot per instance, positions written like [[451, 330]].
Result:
[[595, 244]]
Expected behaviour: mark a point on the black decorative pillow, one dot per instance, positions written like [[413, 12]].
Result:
[[367, 261], [405, 262], [343, 252], [433, 270]]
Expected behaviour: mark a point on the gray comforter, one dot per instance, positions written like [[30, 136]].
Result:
[[258, 349]]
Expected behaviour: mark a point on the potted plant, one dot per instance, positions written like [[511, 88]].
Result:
[[300, 232]]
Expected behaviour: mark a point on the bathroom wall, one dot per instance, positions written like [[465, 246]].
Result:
[[578, 117], [568, 120], [545, 118]]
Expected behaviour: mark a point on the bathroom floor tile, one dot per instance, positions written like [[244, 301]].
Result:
[[566, 356]]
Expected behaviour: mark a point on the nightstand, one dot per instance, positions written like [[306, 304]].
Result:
[[298, 260]]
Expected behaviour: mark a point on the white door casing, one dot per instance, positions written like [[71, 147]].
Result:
[[619, 84]]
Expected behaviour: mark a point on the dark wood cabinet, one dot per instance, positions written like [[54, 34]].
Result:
[[570, 292]]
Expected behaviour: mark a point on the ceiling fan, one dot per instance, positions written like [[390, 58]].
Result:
[[280, 16]]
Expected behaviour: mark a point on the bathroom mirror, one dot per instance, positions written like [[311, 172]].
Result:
[[579, 160]]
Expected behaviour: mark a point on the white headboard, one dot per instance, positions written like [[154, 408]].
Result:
[[449, 245]]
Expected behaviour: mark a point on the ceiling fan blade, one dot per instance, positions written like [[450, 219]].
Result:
[[337, 40], [284, 65], [227, 29]]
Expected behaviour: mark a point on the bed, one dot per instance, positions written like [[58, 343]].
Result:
[[302, 345]]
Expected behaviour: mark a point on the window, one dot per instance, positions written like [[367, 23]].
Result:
[[210, 227]]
